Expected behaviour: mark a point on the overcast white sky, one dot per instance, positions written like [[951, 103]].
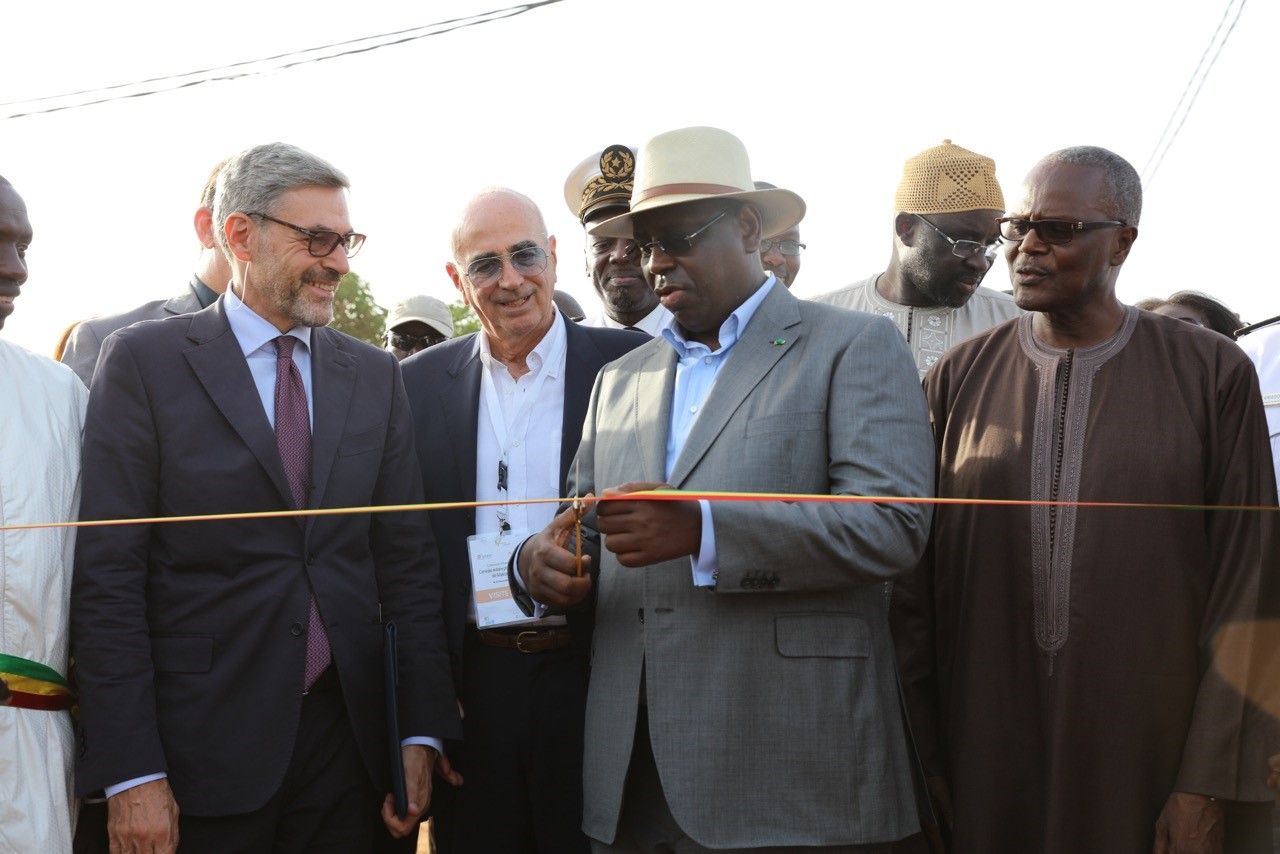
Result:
[[829, 98]]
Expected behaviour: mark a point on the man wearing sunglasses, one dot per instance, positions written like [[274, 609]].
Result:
[[230, 672], [210, 279], [497, 417], [416, 323], [944, 242], [1057, 657], [599, 188], [742, 684]]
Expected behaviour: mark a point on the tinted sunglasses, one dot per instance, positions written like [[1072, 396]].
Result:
[[1055, 232]]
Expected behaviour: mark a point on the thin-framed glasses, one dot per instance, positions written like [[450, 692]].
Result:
[[321, 242], [1055, 232], [790, 248], [964, 248], [678, 246], [485, 271]]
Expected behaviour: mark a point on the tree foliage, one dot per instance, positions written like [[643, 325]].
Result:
[[464, 319], [356, 313]]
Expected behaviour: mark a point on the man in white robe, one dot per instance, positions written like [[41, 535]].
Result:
[[42, 407]]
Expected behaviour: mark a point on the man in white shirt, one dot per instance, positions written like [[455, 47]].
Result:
[[598, 188], [497, 418], [1261, 343], [41, 418]]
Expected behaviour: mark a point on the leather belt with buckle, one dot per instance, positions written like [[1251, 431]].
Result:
[[542, 640]]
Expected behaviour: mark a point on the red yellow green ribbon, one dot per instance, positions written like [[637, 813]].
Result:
[[33, 685], [659, 495]]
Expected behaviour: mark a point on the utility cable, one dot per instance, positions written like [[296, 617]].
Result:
[[1165, 142], [230, 72]]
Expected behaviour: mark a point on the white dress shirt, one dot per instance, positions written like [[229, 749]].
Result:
[[651, 324], [521, 424]]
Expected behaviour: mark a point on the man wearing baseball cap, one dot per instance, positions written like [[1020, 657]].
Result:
[[742, 693], [599, 188], [944, 241], [415, 324]]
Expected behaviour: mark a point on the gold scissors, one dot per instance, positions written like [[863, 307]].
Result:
[[577, 507]]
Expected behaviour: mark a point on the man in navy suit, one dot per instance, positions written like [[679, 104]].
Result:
[[230, 671], [497, 417]]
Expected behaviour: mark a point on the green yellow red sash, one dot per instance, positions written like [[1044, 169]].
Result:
[[33, 685]]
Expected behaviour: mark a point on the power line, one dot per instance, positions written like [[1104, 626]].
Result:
[[1165, 142], [252, 67]]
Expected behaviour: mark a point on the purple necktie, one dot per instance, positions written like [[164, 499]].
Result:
[[293, 439]]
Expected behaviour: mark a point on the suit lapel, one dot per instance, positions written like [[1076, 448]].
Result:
[[755, 354], [220, 366], [462, 420], [583, 361], [332, 380]]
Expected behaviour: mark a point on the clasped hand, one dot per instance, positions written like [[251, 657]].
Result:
[[640, 532]]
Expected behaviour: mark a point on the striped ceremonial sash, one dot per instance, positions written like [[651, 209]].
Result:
[[35, 686]]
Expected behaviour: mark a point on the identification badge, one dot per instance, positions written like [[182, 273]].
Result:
[[489, 555]]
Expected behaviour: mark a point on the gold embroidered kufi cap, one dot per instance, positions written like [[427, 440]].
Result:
[[603, 180], [948, 179]]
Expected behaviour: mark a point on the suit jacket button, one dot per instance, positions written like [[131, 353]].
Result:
[[640, 614], [296, 630], [311, 559]]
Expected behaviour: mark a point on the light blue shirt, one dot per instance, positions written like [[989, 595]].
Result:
[[256, 338], [696, 373]]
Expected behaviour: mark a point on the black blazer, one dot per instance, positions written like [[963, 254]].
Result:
[[189, 637], [443, 383]]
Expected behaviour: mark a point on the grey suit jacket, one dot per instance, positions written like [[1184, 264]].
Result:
[[772, 704], [85, 343]]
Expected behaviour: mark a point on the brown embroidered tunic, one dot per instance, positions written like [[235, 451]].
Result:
[[1057, 659]]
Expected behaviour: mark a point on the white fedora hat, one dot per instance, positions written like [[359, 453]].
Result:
[[692, 164]]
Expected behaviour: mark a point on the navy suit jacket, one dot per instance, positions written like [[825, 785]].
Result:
[[189, 637], [443, 384]]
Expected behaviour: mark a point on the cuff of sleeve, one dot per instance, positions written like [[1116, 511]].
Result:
[[111, 791], [424, 739], [706, 563]]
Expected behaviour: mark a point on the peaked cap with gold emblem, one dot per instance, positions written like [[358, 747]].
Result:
[[602, 181], [948, 179]]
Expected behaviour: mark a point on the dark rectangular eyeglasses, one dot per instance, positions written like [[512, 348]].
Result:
[[321, 242], [678, 246], [1055, 232]]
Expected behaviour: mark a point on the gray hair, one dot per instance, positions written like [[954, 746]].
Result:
[[1124, 187], [210, 190], [255, 179]]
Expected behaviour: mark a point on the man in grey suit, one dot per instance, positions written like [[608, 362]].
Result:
[[210, 279], [742, 690]]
